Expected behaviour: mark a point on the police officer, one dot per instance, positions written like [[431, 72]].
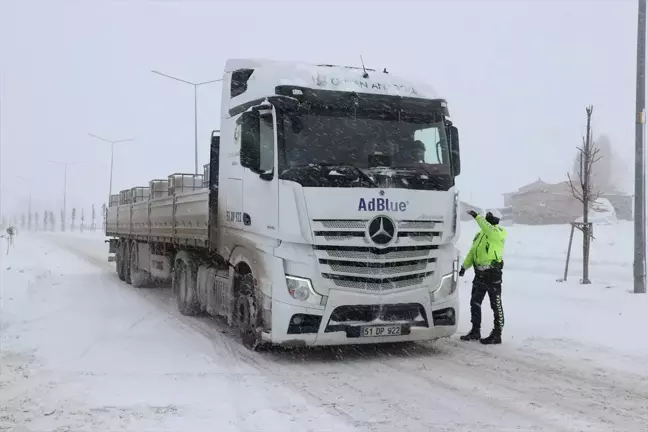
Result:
[[486, 256], [418, 152]]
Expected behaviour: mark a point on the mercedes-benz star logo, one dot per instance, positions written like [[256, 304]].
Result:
[[382, 230]]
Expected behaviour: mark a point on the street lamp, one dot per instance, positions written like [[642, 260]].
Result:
[[112, 155], [65, 166], [195, 86]]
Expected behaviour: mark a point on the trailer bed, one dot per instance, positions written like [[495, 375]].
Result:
[[176, 219]]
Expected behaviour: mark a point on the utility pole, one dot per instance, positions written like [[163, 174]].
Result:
[[1, 94], [195, 86], [639, 267], [64, 195], [587, 160]]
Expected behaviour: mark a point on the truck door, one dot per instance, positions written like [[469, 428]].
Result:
[[260, 183]]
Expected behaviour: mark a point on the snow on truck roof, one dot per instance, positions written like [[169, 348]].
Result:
[[270, 73]]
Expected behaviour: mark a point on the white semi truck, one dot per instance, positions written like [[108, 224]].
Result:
[[327, 214]]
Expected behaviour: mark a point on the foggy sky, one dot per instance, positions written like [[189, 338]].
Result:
[[517, 76]]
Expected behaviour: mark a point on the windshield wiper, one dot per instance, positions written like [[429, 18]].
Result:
[[358, 171], [418, 169]]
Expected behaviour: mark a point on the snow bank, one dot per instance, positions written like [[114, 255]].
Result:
[[543, 250], [605, 314]]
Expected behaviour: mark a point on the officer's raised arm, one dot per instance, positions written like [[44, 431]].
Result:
[[489, 225]]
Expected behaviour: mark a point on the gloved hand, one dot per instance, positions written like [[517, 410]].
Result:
[[472, 213], [462, 271]]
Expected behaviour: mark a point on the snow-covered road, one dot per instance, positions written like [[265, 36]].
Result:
[[83, 351]]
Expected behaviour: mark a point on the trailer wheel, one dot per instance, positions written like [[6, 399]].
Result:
[[185, 284], [119, 261], [138, 277], [246, 313]]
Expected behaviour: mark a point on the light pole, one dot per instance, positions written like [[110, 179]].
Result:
[[112, 156], [639, 267], [1, 80], [195, 86], [65, 167], [1, 113]]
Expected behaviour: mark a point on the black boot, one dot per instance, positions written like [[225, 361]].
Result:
[[495, 338], [474, 334]]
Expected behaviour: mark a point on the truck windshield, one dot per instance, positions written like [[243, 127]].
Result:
[[328, 150]]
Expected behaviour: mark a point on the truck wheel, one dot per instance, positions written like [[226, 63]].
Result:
[[119, 262], [246, 313], [138, 277], [127, 267], [185, 284]]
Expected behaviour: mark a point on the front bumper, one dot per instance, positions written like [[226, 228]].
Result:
[[352, 310]]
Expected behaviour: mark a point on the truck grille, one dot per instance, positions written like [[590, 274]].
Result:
[[351, 260]]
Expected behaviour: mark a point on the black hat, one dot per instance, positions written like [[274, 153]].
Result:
[[418, 144], [492, 219]]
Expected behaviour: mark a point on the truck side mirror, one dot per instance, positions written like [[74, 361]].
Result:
[[250, 154], [455, 155]]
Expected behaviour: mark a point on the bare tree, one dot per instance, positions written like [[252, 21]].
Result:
[[104, 215], [73, 219], [583, 189]]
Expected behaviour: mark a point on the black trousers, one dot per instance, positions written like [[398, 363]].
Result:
[[488, 281]]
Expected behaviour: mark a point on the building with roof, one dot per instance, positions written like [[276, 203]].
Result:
[[541, 203]]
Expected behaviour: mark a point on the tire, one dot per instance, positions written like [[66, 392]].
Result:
[[139, 278], [247, 315], [126, 265], [119, 262], [185, 284]]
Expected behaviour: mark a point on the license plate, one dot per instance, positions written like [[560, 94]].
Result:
[[375, 331]]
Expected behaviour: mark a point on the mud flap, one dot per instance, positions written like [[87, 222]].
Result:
[[112, 246], [112, 249]]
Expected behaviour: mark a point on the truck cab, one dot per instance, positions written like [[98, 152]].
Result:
[[335, 192]]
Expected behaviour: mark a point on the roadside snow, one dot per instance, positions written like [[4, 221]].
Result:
[[83, 351], [543, 249], [605, 315]]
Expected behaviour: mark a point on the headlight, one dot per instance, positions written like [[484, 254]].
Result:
[[299, 288]]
